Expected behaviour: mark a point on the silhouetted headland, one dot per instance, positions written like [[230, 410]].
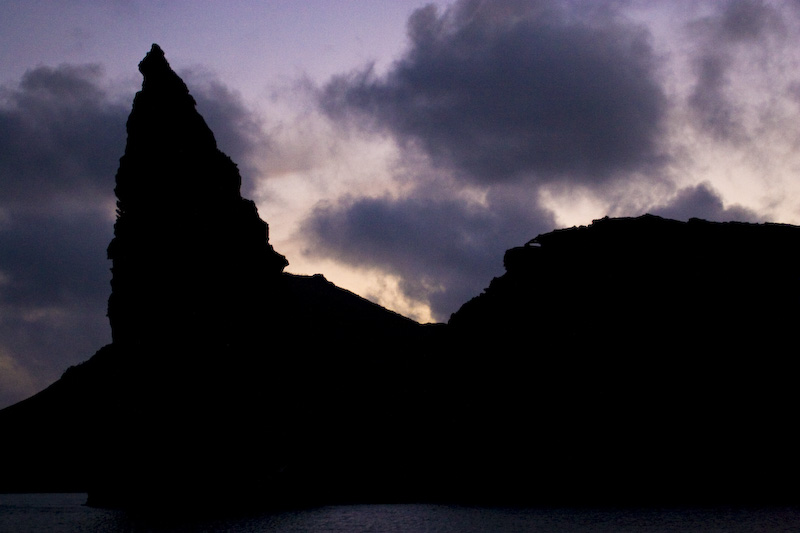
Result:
[[631, 361]]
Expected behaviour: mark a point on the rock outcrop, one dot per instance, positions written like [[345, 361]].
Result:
[[652, 361], [625, 282], [189, 255], [633, 361]]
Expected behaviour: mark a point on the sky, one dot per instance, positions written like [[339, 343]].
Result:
[[398, 147]]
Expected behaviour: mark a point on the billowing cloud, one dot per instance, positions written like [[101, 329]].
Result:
[[444, 251], [702, 199], [735, 28], [60, 136], [490, 101], [746, 20], [709, 101], [501, 91]]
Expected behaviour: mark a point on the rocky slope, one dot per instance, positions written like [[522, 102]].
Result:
[[653, 359], [631, 361]]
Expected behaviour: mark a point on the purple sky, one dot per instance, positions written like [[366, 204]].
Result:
[[397, 147]]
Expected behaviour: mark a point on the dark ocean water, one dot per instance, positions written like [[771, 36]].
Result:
[[66, 513]]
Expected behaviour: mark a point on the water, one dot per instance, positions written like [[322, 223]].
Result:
[[66, 513]]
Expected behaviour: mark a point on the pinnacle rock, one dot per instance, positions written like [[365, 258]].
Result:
[[190, 255]]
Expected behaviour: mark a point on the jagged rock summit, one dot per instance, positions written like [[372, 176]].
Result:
[[189, 255], [626, 281]]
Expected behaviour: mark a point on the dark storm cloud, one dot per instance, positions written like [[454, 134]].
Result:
[[443, 251], [52, 258], [713, 110], [747, 20], [736, 26], [504, 90], [54, 292], [60, 138], [703, 201], [62, 133]]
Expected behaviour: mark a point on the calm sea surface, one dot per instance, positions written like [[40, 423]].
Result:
[[66, 513]]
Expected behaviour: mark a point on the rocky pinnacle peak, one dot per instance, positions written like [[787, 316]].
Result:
[[189, 253], [154, 59], [156, 71]]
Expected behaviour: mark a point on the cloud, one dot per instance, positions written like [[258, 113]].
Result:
[[444, 251], [713, 110], [703, 200], [747, 20], [54, 291], [60, 135], [736, 29], [505, 91]]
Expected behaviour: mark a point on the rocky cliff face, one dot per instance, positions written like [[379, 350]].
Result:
[[190, 255], [652, 360], [649, 284]]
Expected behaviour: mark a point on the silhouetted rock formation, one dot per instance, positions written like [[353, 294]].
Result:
[[652, 357], [189, 254], [636, 360], [627, 281], [224, 372]]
